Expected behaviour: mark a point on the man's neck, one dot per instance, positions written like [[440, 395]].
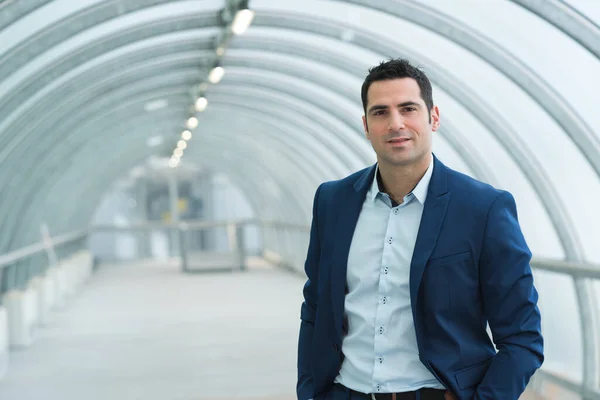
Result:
[[400, 180]]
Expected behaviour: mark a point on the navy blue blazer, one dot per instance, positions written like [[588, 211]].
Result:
[[470, 266]]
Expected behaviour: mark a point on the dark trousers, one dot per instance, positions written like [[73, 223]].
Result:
[[339, 392]]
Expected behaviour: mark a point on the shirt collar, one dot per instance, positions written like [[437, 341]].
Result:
[[420, 191]]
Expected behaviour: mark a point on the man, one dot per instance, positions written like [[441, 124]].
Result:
[[408, 262]]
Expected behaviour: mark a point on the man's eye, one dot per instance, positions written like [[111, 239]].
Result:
[[410, 109]]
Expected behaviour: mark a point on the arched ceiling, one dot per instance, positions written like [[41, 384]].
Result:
[[65, 69]]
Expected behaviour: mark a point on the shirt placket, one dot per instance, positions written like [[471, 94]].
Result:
[[384, 306]]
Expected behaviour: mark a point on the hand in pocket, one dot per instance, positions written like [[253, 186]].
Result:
[[449, 396]]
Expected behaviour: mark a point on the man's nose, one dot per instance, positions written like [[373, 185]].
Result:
[[396, 122]]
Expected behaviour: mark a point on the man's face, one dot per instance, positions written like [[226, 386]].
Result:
[[397, 122]]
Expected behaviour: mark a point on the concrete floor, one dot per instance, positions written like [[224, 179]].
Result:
[[146, 331]]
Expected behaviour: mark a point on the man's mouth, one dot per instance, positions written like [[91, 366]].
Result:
[[399, 140]]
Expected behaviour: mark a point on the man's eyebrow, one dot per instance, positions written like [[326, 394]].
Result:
[[377, 107], [409, 103]]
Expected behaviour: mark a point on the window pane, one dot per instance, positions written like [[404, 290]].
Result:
[[560, 325], [552, 391], [596, 294], [589, 8]]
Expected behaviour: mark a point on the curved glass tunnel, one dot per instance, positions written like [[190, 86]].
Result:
[[159, 160]]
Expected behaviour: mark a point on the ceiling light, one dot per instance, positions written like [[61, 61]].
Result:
[[242, 21], [216, 75], [178, 152], [192, 123], [201, 104], [186, 135], [220, 51], [173, 163], [182, 144]]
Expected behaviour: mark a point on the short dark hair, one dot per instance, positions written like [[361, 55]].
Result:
[[397, 69]]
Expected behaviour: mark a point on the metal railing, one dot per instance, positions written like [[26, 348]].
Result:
[[18, 267], [575, 270], [191, 242], [34, 249]]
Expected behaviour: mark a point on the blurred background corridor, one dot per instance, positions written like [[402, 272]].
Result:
[[159, 158]]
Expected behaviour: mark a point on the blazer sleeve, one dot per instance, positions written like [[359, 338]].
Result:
[[510, 304], [304, 387]]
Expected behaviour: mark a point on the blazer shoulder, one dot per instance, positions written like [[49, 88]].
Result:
[[331, 187], [472, 190]]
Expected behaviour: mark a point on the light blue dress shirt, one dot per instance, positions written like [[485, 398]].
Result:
[[380, 349]]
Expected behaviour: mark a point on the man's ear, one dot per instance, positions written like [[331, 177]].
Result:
[[435, 119]]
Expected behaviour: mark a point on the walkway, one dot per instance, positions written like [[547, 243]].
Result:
[[148, 332]]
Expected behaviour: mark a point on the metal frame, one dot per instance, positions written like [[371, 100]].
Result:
[[566, 18], [63, 121], [12, 10], [523, 167], [97, 188], [98, 116]]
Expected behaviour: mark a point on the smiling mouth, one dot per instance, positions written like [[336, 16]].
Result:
[[398, 140]]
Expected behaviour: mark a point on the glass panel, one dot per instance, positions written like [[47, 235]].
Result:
[[560, 325], [449, 156], [530, 45], [596, 295], [536, 225], [269, 122], [42, 18], [334, 134], [552, 391], [590, 8]]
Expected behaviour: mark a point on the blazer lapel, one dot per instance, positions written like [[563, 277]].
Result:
[[434, 212], [350, 200]]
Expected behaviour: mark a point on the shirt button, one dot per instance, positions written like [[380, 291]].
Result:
[[381, 330], [390, 240], [386, 270], [384, 300], [378, 387], [380, 360], [396, 211]]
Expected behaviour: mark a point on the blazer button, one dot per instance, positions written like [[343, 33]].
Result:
[[336, 347]]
